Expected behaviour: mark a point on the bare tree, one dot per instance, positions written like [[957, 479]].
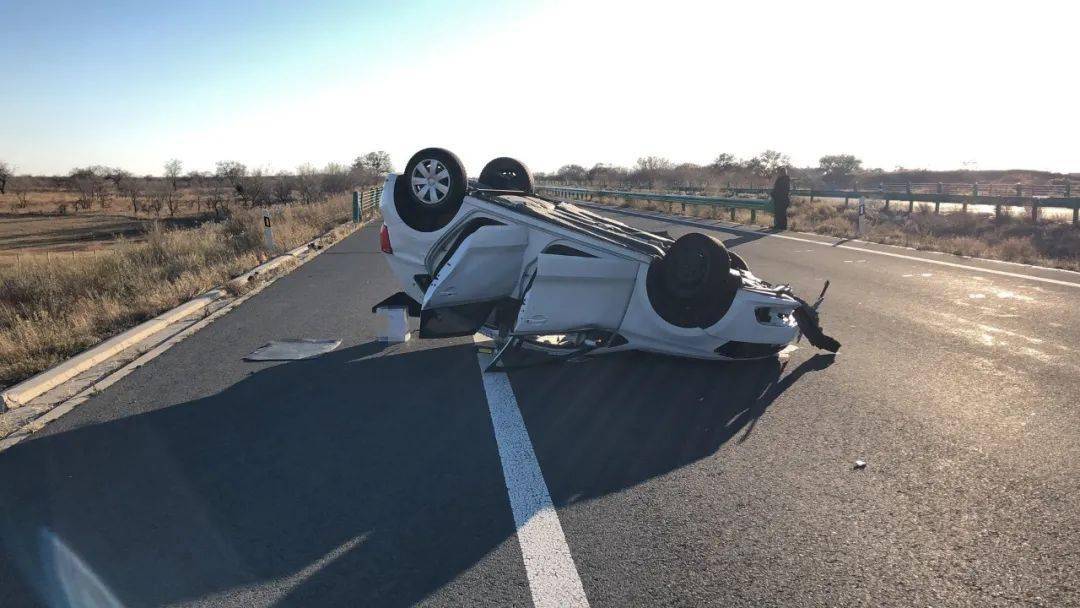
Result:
[[132, 188], [156, 195], [725, 162], [217, 199], [197, 181], [571, 173], [6, 173], [335, 179], [20, 187], [173, 168], [282, 188], [839, 168], [88, 184], [371, 167], [231, 171], [768, 163], [254, 189], [308, 184]]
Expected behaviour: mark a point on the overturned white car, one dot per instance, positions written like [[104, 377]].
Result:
[[492, 256]]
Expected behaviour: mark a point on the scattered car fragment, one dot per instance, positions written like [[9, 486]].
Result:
[[492, 256]]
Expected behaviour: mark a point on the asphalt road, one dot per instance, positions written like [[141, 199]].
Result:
[[371, 476]]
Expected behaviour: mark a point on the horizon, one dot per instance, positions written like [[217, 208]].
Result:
[[133, 85]]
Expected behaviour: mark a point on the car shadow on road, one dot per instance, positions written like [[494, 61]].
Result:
[[615, 422], [357, 478]]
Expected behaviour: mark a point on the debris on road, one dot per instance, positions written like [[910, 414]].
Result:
[[292, 350], [859, 464]]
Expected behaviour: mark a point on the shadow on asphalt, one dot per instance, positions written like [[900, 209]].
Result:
[[347, 479], [614, 422]]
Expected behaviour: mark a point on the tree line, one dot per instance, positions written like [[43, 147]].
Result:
[[230, 183], [838, 170]]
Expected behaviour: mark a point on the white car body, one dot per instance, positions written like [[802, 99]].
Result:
[[524, 260]]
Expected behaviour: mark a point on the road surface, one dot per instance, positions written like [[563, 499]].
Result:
[[376, 477]]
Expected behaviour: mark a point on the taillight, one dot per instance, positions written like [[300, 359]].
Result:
[[384, 240]]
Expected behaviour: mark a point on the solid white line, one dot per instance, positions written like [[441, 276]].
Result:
[[553, 578], [1005, 273]]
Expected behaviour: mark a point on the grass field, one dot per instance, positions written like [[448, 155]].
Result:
[[53, 306]]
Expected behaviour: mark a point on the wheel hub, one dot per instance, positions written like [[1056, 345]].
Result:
[[430, 181]]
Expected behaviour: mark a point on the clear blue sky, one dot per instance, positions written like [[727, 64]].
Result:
[[276, 84]]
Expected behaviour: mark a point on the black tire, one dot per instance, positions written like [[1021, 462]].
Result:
[[505, 173], [430, 191], [737, 261], [691, 286]]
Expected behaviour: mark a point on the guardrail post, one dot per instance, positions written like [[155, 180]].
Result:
[[753, 216], [356, 206], [911, 200], [1034, 210], [732, 209], [811, 194], [884, 196]]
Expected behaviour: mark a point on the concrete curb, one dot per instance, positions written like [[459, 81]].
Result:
[[22, 393], [26, 390]]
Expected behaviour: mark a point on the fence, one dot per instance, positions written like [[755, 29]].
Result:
[[365, 203], [999, 196]]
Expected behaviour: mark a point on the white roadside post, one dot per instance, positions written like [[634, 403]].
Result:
[[268, 231], [862, 214]]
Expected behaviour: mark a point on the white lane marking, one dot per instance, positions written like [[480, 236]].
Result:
[[553, 577], [901, 256]]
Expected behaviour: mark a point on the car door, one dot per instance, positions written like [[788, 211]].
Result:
[[482, 271], [574, 290], [485, 267]]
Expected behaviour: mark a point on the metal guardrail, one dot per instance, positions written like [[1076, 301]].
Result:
[[364, 203], [1036, 197], [729, 203]]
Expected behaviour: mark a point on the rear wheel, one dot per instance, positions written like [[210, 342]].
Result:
[[431, 190], [691, 286], [505, 173]]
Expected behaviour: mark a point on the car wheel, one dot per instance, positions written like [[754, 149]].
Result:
[[505, 173], [691, 286], [430, 191]]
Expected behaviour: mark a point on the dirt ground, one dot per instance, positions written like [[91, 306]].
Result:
[[39, 229]]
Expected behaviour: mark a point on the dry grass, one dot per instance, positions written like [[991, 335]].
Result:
[[1012, 238], [51, 309]]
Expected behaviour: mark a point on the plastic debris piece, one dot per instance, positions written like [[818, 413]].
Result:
[[859, 464], [292, 350]]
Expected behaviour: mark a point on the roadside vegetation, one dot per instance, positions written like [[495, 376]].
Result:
[[1012, 237], [53, 308]]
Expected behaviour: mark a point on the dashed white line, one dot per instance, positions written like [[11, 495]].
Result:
[[553, 577]]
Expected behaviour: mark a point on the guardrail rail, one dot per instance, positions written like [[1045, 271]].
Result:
[[999, 196], [730, 203]]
